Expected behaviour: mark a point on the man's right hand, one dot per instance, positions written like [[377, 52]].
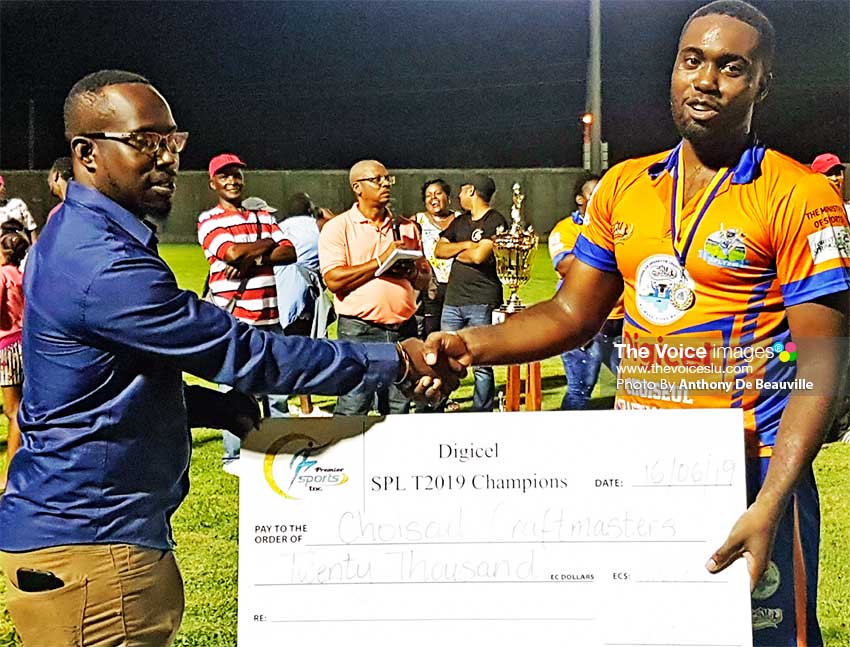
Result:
[[431, 382], [396, 244], [447, 347]]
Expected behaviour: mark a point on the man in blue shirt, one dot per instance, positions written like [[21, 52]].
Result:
[[85, 523], [302, 305]]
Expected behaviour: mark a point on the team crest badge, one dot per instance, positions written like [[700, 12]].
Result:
[[768, 583], [663, 290], [622, 232], [725, 248]]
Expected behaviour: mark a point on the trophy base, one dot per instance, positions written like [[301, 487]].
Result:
[[513, 305], [503, 312], [511, 308]]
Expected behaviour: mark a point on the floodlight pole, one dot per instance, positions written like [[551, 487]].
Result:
[[31, 135], [594, 86]]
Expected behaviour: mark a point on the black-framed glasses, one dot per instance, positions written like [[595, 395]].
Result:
[[379, 179], [146, 142]]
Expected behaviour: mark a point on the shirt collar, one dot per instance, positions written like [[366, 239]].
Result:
[[746, 170], [95, 200], [577, 217], [359, 217]]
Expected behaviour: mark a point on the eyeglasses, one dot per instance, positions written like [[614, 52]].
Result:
[[147, 142], [379, 179]]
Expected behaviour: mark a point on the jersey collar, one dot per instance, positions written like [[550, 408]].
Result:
[[577, 217], [746, 170]]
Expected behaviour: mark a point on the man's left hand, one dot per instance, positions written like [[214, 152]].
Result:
[[234, 411], [752, 538], [402, 270], [232, 273]]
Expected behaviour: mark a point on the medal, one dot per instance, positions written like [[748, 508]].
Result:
[[682, 295]]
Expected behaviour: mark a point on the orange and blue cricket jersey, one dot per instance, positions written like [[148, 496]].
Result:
[[764, 235]]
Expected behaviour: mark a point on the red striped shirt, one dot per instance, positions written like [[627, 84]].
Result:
[[218, 230]]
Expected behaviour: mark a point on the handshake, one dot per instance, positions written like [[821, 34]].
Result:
[[432, 369]]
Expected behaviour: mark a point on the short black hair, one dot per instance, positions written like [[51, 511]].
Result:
[[748, 14], [85, 93], [299, 204], [62, 166], [14, 246], [581, 180], [445, 186]]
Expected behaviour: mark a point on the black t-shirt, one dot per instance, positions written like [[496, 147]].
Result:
[[471, 284]]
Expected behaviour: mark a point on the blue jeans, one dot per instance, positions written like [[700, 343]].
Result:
[[275, 406], [361, 399], [581, 366], [457, 317]]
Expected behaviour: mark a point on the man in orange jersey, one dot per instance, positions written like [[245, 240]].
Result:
[[716, 245]]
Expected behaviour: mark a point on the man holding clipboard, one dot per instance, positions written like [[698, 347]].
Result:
[[372, 262]]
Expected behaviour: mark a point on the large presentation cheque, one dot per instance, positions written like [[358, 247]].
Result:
[[557, 528]]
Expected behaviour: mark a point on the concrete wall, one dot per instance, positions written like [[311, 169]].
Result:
[[548, 193]]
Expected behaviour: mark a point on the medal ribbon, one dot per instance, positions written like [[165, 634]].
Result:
[[678, 206]]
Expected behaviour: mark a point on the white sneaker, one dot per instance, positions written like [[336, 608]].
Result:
[[232, 467]]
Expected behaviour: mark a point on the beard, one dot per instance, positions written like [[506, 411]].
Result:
[[726, 128], [140, 199]]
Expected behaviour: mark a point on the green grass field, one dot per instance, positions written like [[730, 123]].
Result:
[[206, 524]]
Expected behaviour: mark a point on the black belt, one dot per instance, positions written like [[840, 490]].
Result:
[[375, 324]]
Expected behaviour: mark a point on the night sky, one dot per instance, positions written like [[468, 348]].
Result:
[[472, 83]]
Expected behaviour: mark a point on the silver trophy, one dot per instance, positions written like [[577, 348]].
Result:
[[514, 252]]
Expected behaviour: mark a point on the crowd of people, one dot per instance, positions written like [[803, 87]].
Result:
[[719, 236]]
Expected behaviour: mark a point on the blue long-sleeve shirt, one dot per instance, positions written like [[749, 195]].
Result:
[[107, 334]]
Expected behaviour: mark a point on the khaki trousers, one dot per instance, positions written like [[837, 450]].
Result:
[[114, 596]]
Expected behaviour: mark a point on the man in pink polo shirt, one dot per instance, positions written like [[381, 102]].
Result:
[[352, 248]]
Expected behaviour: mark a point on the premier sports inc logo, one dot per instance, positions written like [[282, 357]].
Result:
[[293, 467]]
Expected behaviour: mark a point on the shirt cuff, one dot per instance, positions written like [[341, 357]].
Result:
[[595, 256], [557, 258], [382, 365]]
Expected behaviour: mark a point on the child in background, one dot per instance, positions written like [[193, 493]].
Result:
[[13, 248]]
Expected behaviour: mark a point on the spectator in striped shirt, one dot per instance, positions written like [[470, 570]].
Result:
[[242, 247]]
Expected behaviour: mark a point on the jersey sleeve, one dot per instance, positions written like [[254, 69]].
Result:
[[562, 240], [450, 232], [595, 245], [214, 236], [332, 248], [493, 224], [811, 239]]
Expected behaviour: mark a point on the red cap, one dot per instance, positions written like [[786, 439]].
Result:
[[225, 159], [824, 162]]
